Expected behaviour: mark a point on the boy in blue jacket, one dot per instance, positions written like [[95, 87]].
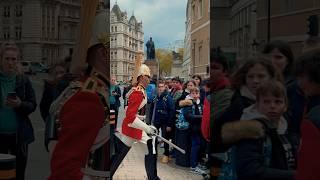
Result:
[[192, 112]]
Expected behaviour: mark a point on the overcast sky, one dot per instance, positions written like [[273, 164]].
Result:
[[163, 20]]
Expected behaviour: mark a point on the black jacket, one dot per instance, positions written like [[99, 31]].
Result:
[[165, 110], [232, 113], [250, 158], [50, 92], [117, 97], [193, 114], [28, 105]]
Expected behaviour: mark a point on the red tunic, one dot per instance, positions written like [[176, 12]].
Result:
[[205, 122], [81, 118], [134, 102], [308, 157]]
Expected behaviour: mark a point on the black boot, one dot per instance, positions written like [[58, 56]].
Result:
[[150, 162]]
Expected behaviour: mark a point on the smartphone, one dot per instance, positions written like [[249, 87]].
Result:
[[12, 95]]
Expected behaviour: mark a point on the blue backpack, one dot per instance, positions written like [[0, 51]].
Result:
[[181, 122]]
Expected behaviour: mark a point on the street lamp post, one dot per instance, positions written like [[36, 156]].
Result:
[[158, 70], [254, 45], [269, 19]]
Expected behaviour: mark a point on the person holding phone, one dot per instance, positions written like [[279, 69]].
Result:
[[17, 101], [115, 96]]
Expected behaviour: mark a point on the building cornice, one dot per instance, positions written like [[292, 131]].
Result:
[[295, 38], [240, 5], [289, 13], [200, 27]]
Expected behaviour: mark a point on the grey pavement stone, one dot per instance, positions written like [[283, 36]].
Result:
[[132, 167]]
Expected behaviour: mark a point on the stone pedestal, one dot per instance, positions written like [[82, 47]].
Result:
[[153, 65]]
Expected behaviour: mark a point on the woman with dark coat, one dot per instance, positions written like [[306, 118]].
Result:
[[258, 160], [188, 86], [243, 97], [282, 57], [52, 89], [17, 102], [245, 82], [199, 83], [269, 156], [182, 137]]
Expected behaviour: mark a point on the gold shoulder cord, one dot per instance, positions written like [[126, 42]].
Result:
[[90, 85]]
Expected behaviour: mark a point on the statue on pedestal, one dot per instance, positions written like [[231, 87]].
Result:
[[150, 50]]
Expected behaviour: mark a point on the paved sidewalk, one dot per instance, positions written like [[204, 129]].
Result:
[[132, 167]]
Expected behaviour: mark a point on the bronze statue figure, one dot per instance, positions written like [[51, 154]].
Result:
[[150, 49]]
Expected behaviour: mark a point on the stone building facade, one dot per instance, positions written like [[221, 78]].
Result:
[[45, 30], [127, 39], [200, 37]]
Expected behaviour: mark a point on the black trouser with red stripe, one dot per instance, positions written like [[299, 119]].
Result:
[[150, 160]]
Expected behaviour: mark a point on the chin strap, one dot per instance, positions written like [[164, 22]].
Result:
[[140, 84]]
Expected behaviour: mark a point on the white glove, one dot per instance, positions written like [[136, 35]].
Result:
[[137, 123], [142, 118], [152, 130]]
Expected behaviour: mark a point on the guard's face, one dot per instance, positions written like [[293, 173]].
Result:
[[102, 54], [145, 80], [101, 58]]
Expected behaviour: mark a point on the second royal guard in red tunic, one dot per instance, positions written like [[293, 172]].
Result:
[[81, 118]]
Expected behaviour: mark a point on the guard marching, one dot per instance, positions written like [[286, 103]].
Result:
[[134, 129]]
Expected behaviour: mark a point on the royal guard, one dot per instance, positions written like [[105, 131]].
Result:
[[133, 128], [81, 120]]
